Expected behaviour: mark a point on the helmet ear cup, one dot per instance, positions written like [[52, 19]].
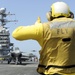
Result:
[[71, 15], [49, 16]]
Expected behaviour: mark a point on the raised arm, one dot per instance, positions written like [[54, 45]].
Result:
[[34, 32]]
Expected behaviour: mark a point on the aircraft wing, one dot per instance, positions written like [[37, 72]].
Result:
[[25, 57]]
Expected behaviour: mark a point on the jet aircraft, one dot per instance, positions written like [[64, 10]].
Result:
[[17, 56]]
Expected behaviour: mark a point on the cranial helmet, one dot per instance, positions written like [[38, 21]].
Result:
[[60, 9]]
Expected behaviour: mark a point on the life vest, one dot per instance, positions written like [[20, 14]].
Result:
[[58, 51]]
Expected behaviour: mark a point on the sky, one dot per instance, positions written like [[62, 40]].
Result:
[[26, 12]]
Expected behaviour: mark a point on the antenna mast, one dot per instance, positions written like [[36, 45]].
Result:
[[3, 15]]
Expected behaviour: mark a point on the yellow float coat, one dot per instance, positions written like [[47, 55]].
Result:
[[57, 39]]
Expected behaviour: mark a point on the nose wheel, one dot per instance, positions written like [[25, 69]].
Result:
[[16, 61]]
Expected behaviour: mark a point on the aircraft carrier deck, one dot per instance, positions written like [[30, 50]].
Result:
[[27, 68]]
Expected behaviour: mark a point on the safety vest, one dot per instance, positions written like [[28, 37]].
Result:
[[58, 51]]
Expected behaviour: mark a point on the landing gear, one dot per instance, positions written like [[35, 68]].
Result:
[[1, 61], [16, 61], [9, 60], [20, 61]]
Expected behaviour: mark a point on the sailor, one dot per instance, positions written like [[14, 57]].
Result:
[[57, 39]]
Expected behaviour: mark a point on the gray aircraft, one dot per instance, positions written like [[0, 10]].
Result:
[[17, 56]]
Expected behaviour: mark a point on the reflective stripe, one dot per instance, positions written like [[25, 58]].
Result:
[[62, 24]]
